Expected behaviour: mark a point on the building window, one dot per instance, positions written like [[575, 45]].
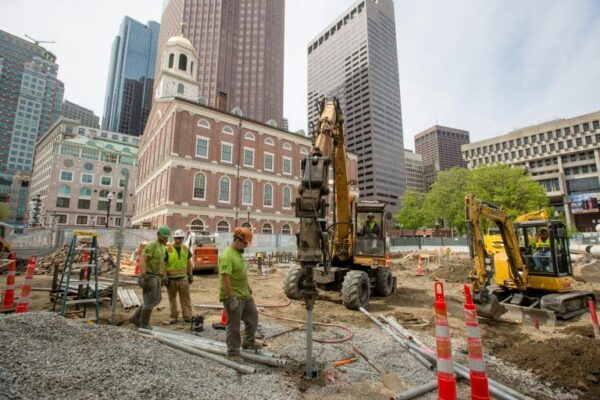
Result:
[[249, 158], [63, 202], [199, 186], [286, 229], [223, 226], [287, 146], [267, 228], [247, 192], [268, 195], [578, 142], [100, 221], [586, 126], [249, 136], [107, 169], [287, 197], [64, 191], [224, 190], [121, 183], [60, 218], [88, 166], [227, 130], [83, 204], [102, 205], [268, 162], [66, 176], [171, 60], [85, 193], [287, 166], [202, 123], [196, 225], [87, 179], [247, 225], [226, 152], [201, 147], [269, 142], [588, 140], [182, 62], [106, 181], [81, 220], [180, 88]]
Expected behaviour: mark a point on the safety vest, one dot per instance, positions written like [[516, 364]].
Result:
[[371, 226], [542, 245], [177, 263]]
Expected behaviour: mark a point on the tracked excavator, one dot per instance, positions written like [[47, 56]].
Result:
[[348, 251], [530, 284]]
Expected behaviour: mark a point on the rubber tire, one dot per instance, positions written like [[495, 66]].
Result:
[[384, 282], [356, 290], [291, 282]]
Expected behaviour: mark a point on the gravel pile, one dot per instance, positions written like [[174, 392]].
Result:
[[44, 356]]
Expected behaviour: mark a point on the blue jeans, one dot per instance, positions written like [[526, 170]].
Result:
[[541, 259]]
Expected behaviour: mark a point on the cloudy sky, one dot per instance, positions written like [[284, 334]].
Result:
[[485, 66]]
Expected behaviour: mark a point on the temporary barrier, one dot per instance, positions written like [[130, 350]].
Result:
[[223, 323], [445, 369], [8, 298], [479, 382], [23, 303]]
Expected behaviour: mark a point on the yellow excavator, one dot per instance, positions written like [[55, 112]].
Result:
[[493, 238], [347, 252], [525, 277]]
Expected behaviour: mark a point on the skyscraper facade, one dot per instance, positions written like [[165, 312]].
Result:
[[355, 60], [240, 49], [75, 111], [131, 77], [30, 100], [440, 147]]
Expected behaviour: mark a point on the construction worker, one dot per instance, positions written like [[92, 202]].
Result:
[[152, 275], [179, 277], [541, 255], [236, 295], [371, 228]]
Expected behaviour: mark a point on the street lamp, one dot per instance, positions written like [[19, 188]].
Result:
[[109, 197], [248, 218]]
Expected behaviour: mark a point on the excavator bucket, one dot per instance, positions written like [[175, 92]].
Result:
[[536, 318], [489, 306]]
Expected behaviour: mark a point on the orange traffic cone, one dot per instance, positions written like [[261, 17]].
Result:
[[419, 271], [223, 323], [23, 303], [8, 299], [445, 369], [479, 383], [592, 305], [136, 272]]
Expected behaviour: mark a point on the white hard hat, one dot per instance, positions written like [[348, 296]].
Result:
[[179, 234]]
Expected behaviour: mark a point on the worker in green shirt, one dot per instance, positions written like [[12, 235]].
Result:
[[152, 275], [236, 295]]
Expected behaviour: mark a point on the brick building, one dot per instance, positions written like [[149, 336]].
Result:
[[204, 168]]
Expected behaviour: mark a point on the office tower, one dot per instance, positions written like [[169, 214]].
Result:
[[75, 111], [355, 60], [440, 148], [30, 101], [240, 49], [131, 77], [414, 171]]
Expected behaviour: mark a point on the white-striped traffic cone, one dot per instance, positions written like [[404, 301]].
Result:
[[8, 298], [23, 303], [445, 368], [479, 383]]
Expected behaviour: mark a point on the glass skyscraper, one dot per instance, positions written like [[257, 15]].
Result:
[[30, 101], [355, 59], [131, 77]]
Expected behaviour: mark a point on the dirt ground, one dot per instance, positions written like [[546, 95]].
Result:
[[567, 359]]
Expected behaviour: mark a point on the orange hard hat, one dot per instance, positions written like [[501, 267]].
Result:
[[243, 234]]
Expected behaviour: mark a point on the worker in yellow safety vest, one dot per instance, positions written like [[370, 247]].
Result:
[[541, 255], [179, 277]]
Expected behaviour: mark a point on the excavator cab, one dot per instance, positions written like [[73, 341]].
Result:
[[370, 235], [545, 248]]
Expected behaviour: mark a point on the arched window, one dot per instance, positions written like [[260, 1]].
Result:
[[196, 225], [287, 146], [247, 225], [223, 226], [202, 123], [267, 228], [304, 151], [237, 111], [287, 197], [85, 192], [180, 88], [192, 68], [199, 186], [249, 136], [227, 130], [202, 101], [268, 195], [171, 59], [269, 141], [247, 192], [272, 123], [224, 189], [103, 194], [64, 191], [286, 229], [182, 62]]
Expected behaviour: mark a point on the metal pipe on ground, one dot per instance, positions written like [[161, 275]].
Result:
[[496, 388], [417, 391], [244, 369], [405, 343]]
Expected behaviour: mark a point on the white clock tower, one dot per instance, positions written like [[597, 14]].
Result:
[[177, 75]]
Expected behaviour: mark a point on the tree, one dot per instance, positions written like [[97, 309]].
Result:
[[412, 215], [507, 187], [446, 198]]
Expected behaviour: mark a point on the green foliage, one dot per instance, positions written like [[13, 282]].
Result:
[[509, 188], [4, 210]]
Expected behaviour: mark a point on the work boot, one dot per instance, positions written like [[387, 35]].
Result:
[[252, 345], [135, 318], [236, 358], [172, 321], [145, 319]]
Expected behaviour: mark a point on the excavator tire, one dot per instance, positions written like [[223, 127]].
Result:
[[356, 290], [384, 282], [292, 282]]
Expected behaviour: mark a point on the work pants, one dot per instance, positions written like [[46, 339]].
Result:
[[181, 286], [246, 312], [151, 290]]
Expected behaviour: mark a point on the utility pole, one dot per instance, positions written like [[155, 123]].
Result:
[[119, 236]]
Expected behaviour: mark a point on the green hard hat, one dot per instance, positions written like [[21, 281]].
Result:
[[164, 231]]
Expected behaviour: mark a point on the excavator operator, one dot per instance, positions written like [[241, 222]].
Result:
[[371, 228], [541, 255]]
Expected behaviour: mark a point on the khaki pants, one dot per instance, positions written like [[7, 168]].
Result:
[[182, 287], [246, 312]]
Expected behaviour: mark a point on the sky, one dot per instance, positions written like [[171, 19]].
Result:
[[485, 66]]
